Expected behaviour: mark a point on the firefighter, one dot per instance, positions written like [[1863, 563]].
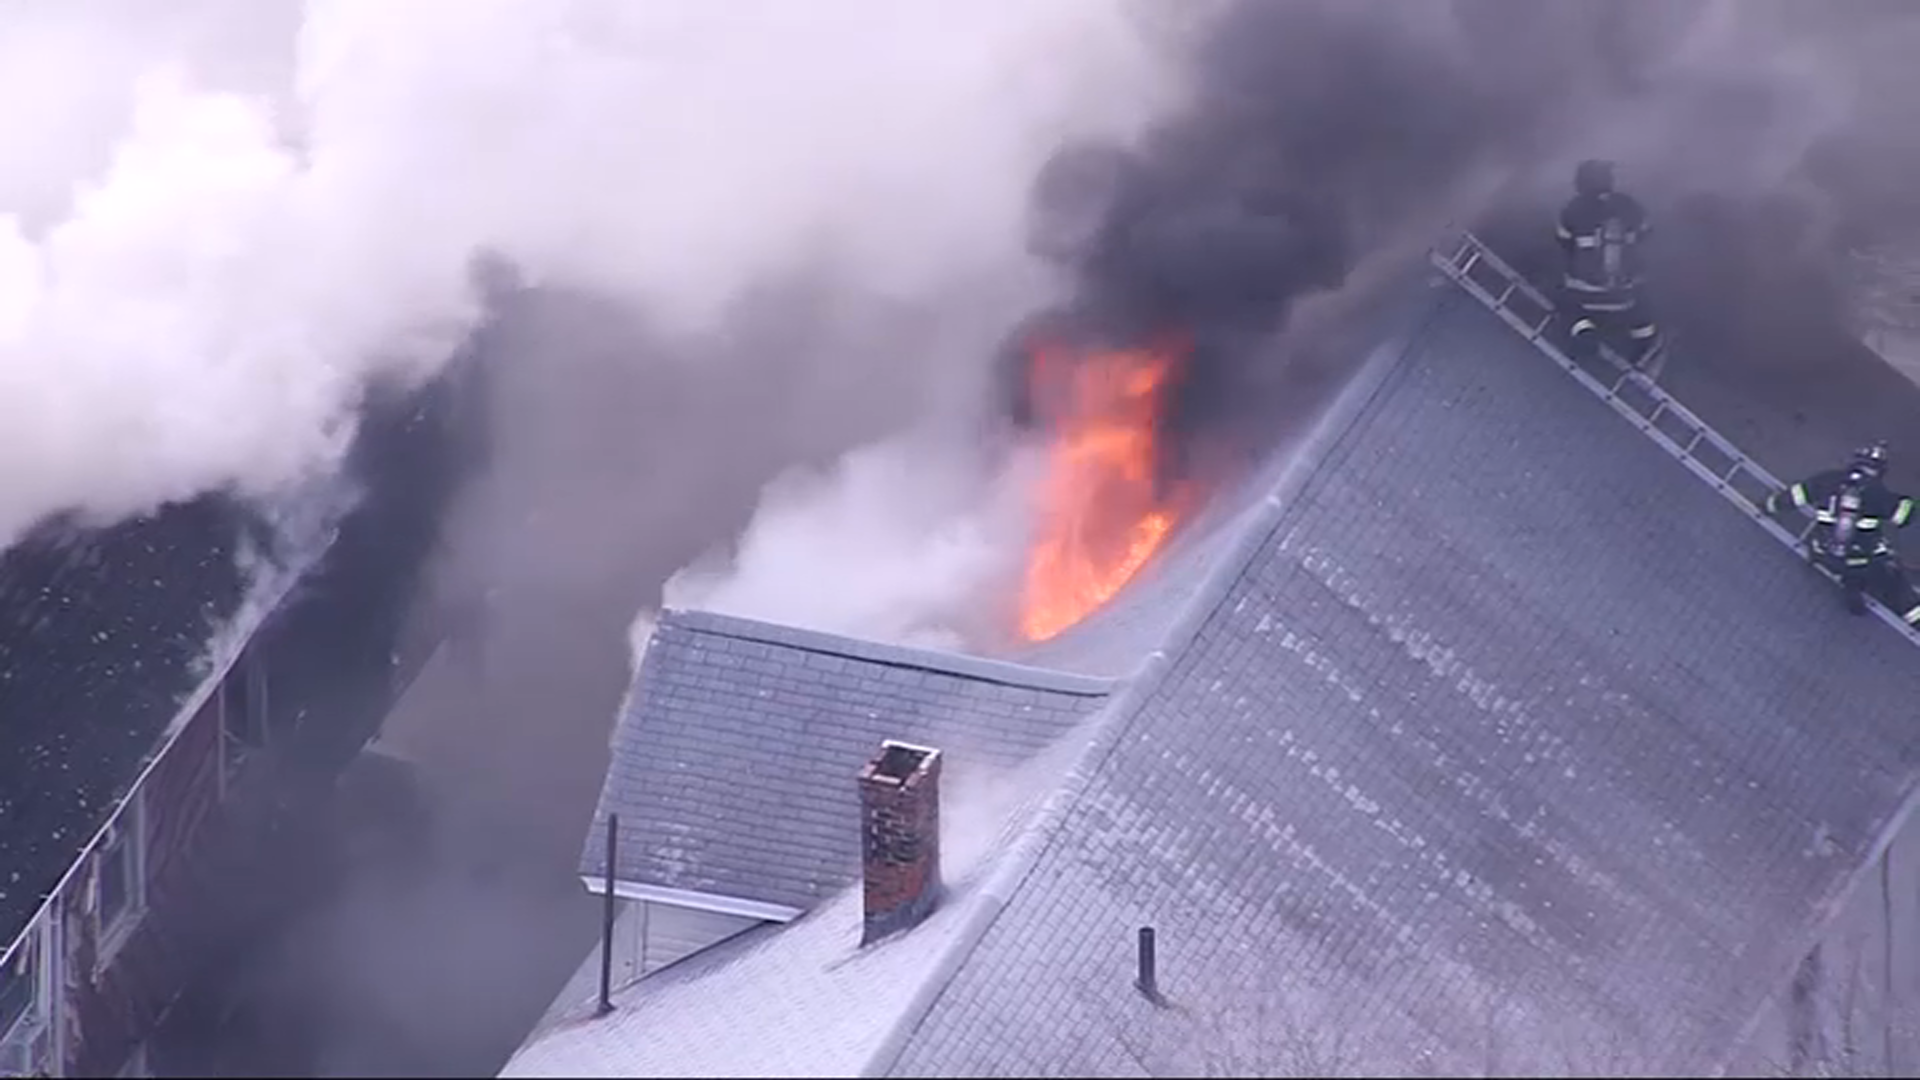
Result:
[[1600, 232], [1854, 511]]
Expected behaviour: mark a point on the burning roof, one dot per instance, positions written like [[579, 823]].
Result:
[[1108, 500]]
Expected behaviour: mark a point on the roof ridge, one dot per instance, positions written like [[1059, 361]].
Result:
[[1115, 719], [979, 669]]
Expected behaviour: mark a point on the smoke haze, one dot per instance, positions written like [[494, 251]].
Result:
[[758, 233], [1308, 147], [198, 282], [246, 212], [767, 240], [894, 541]]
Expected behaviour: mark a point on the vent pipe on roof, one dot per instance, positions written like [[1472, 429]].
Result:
[[899, 838], [1148, 979]]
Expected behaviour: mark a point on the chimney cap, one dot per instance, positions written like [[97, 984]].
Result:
[[898, 762]]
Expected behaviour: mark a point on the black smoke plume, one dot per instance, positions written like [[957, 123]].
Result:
[[1317, 136]]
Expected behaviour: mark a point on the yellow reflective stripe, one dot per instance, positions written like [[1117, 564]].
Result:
[[1586, 241], [1902, 512], [1799, 492], [1868, 523], [1824, 517], [1912, 616], [1642, 333], [1565, 233], [1858, 561]]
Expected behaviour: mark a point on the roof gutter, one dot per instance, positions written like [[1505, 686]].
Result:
[[1116, 719]]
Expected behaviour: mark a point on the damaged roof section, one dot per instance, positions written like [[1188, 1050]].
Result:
[[1118, 637], [1497, 742], [733, 764], [103, 634]]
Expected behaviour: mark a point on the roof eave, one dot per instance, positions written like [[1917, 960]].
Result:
[[694, 900]]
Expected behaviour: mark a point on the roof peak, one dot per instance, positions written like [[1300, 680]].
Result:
[[1003, 672]]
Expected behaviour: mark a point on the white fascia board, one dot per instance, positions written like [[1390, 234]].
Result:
[[698, 901]]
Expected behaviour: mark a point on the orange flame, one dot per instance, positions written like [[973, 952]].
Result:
[[1103, 514]]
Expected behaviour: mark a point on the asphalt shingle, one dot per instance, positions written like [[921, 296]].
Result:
[[1510, 740]]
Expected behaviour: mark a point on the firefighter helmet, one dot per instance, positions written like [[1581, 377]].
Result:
[[1593, 176], [1871, 459]]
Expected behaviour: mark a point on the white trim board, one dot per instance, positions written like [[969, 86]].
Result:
[[698, 901]]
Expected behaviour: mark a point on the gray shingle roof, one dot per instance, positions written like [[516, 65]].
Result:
[[1543, 732], [805, 998], [733, 763], [1499, 743]]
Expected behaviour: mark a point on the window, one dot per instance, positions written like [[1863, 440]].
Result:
[[119, 880], [243, 713], [20, 986], [26, 1002]]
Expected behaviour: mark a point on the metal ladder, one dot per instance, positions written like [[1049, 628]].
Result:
[[1488, 278]]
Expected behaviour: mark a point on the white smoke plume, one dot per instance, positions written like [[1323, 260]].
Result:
[[895, 541], [199, 276]]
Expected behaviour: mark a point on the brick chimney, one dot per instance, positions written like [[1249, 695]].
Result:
[[899, 837]]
